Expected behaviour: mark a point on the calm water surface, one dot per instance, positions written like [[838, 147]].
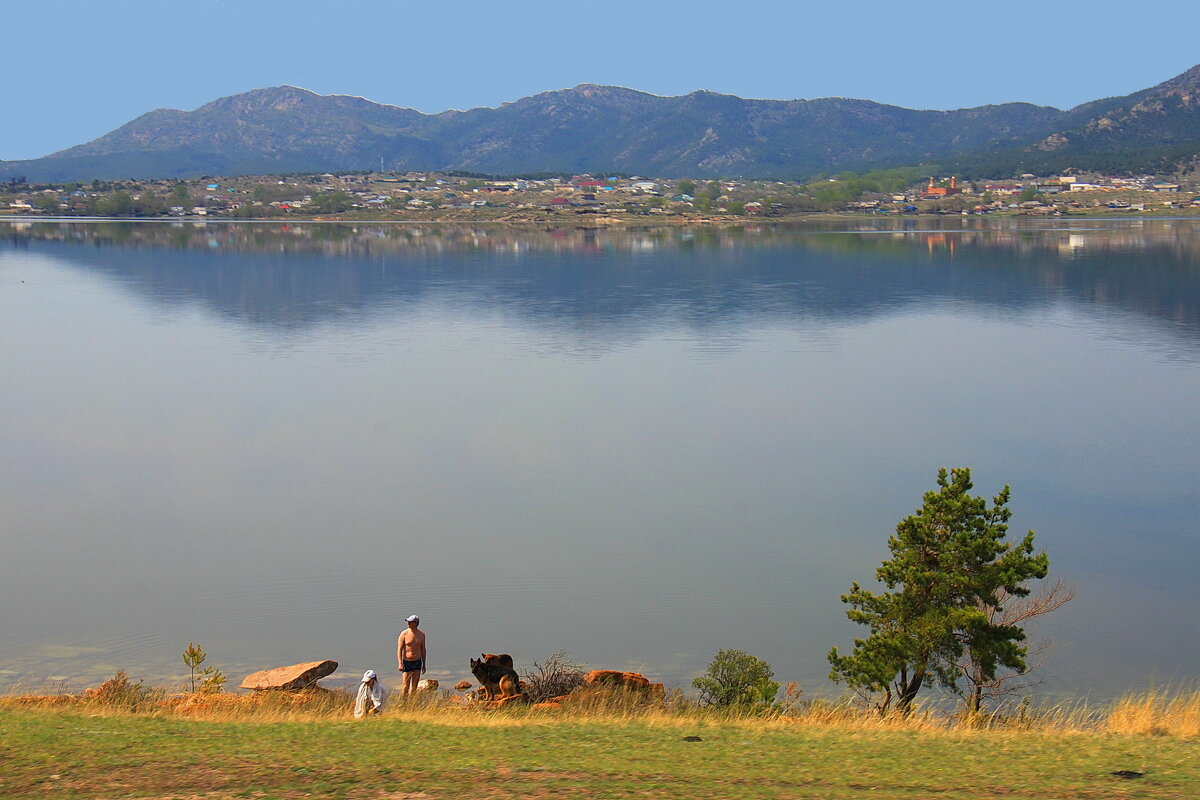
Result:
[[636, 446]]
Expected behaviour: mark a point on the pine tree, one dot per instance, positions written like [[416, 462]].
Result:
[[951, 564]]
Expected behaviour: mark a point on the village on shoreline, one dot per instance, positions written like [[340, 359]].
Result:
[[596, 200]]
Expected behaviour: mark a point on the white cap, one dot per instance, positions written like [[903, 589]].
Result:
[[412, 618], [368, 675]]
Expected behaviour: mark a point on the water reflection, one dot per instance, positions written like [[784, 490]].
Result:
[[295, 276], [636, 444]]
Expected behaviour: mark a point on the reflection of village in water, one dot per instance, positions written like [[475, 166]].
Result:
[[296, 274], [1067, 237], [367, 238]]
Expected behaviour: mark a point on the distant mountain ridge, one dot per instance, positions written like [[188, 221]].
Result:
[[591, 128], [1155, 130]]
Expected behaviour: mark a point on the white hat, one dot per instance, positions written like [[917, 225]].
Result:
[[412, 618], [368, 675]]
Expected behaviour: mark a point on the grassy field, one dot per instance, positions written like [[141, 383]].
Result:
[[80, 751]]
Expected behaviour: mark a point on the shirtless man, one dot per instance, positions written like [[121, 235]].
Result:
[[410, 656]]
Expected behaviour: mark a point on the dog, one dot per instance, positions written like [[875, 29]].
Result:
[[503, 659], [497, 680]]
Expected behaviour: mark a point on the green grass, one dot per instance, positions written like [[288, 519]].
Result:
[[70, 753]]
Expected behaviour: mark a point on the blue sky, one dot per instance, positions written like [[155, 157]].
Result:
[[76, 69]]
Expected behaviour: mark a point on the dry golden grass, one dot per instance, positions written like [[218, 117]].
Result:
[[132, 742], [1154, 712]]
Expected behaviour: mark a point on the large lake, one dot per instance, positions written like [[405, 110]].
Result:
[[638, 446]]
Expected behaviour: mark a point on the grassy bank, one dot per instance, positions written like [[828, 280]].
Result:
[[81, 750]]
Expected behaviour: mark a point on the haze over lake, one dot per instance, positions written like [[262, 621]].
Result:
[[638, 446]]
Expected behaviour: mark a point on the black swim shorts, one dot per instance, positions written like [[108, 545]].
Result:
[[413, 666]]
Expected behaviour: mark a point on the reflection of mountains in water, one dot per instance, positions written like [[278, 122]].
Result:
[[300, 275]]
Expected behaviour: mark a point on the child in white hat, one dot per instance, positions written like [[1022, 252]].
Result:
[[371, 695]]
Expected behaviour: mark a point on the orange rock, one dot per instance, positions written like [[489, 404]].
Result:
[[615, 679], [462, 686], [297, 676], [549, 704], [498, 703]]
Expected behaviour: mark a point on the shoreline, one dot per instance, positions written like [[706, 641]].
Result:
[[598, 222]]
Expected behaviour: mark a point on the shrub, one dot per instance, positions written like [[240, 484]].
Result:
[[121, 692], [557, 676], [735, 678]]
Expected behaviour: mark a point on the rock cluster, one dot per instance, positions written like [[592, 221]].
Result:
[[606, 684]]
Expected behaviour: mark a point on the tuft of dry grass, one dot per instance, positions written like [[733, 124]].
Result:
[[1156, 712]]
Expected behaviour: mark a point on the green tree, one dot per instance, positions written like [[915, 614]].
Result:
[[180, 195], [276, 192], [211, 679], [117, 204], [1030, 193], [735, 678], [950, 565], [686, 187], [980, 689], [148, 204], [47, 201], [330, 202]]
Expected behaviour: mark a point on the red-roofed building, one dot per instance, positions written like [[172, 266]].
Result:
[[932, 191]]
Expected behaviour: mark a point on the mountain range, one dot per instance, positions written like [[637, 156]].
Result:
[[591, 128]]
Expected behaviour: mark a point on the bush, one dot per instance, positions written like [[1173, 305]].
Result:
[[121, 692], [735, 678], [557, 676]]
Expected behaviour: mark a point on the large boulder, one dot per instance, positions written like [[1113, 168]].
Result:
[[297, 676], [613, 679]]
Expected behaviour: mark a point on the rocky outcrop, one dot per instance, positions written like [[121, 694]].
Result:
[[296, 676], [634, 682], [607, 686], [616, 680]]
